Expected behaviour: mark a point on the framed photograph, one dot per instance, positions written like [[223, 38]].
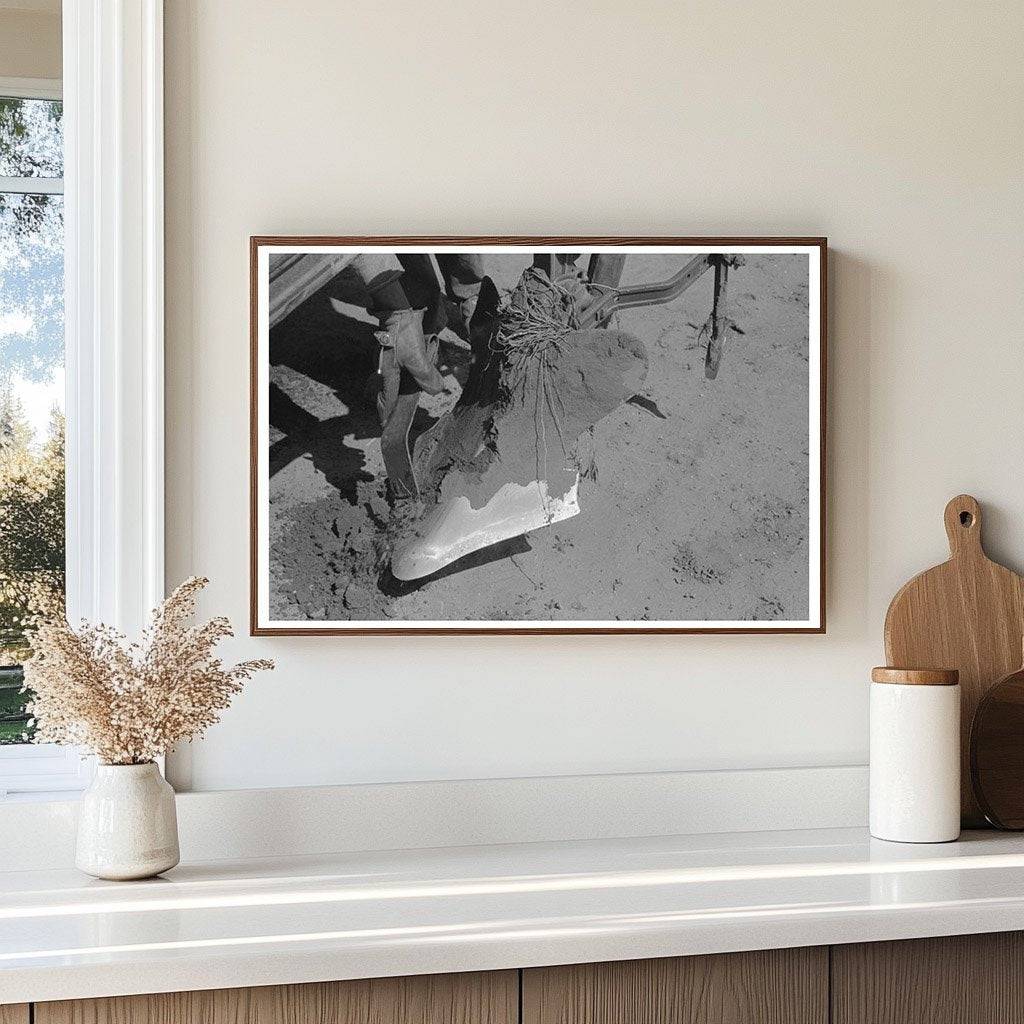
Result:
[[537, 435]]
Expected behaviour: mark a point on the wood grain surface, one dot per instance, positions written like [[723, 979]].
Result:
[[480, 998], [967, 614], [962, 979], [779, 986], [14, 1013], [915, 676], [997, 752]]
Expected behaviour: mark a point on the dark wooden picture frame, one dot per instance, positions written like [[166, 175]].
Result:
[[816, 623]]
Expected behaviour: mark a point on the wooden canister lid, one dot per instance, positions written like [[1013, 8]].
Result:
[[916, 676]]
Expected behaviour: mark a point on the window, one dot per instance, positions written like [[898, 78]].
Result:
[[91, 172], [32, 513]]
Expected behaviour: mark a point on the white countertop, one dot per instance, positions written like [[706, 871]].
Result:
[[261, 922]]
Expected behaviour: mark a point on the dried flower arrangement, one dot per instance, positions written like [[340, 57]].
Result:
[[129, 703]]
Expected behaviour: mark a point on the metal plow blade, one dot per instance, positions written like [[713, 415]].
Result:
[[455, 529]]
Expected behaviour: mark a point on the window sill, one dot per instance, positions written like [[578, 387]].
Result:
[[44, 771]]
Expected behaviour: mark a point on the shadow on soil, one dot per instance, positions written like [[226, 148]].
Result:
[[393, 587], [340, 353]]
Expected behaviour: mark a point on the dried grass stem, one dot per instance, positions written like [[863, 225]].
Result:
[[129, 703]]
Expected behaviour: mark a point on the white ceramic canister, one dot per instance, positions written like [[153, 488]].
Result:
[[915, 755], [127, 825]]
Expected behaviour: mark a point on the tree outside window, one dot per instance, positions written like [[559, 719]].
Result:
[[31, 387]]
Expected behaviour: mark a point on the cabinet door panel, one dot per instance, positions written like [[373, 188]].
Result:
[[482, 998], [14, 1013], [778, 986], [960, 979]]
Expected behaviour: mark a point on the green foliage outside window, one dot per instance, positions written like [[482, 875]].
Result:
[[31, 548], [31, 357]]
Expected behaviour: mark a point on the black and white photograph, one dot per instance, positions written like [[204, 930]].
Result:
[[542, 435]]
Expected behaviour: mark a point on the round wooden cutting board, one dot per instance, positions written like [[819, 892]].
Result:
[[997, 752], [967, 614]]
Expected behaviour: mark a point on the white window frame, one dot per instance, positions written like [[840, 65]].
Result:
[[43, 767], [32, 88], [114, 324]]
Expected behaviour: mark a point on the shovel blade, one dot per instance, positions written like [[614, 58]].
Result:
[[454, 528]]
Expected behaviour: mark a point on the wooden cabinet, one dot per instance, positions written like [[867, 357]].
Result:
[[971, 979], [962, 979], [777, 986], [491, 998]]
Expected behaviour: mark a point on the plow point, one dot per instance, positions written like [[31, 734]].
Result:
[[454, 528]]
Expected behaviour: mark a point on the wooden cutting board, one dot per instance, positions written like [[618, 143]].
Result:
[[997, 752], [967, 614]]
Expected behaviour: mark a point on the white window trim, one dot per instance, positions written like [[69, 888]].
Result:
[[31, 88], [114, 321], [113, 169], [43, 769]]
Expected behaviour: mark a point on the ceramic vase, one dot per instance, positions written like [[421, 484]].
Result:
[[127, 825]]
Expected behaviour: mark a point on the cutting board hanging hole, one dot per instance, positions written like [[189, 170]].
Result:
[[963, 525]]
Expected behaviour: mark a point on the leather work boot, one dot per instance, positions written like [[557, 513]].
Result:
[[402, 331]]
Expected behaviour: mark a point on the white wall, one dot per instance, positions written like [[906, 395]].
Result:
[[895, 129]]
